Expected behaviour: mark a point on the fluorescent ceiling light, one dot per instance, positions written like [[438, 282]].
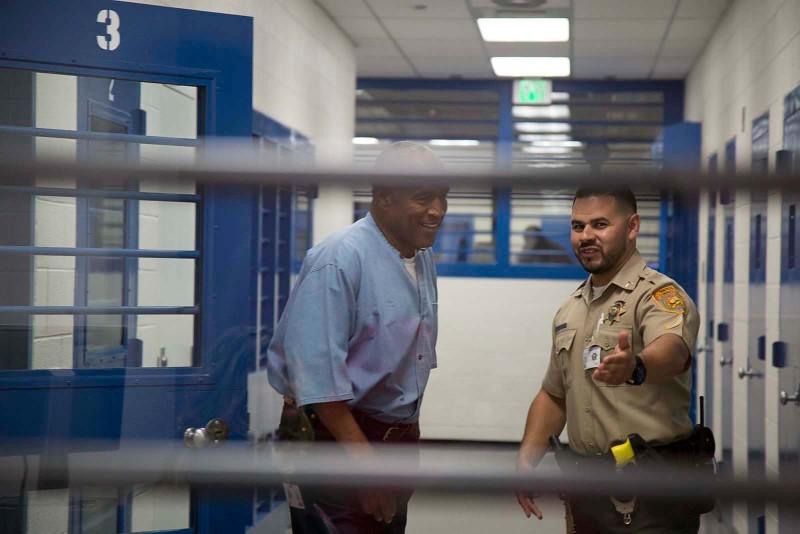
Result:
[[454, 142], [575, 144], [541, 67], [542, 127], [524, 29], [546, 137], [365, 141], [541, 112], [546, 150]]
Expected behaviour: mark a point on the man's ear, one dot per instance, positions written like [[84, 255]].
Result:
[[382, 196], [634, 223]]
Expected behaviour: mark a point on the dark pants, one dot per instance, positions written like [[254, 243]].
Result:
[[332, 511], [597, 515]]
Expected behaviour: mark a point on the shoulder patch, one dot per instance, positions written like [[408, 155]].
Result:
[[669, 298]]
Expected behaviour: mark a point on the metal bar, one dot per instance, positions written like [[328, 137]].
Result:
[[117, 252], [98, 193], [102, 310], [478, 470], [98, 136], [237, 172]]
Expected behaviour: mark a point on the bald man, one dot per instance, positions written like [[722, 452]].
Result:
[[356, 343]]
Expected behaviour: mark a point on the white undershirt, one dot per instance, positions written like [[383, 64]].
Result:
[[411, 267], [597, 291]]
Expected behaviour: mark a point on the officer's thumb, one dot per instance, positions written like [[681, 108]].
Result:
[[623, 343]]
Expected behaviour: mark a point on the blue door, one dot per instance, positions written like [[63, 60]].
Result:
[[710, 360], [753, 373], [786, 352], [131, 312]]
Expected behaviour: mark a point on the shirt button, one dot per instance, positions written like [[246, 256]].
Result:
[[419, 356], [587, 410], [587, 339]]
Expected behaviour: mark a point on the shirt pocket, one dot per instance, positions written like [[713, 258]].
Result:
[[563, 347], [607, 338]]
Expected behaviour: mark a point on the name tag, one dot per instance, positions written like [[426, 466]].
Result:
[[591, 357]]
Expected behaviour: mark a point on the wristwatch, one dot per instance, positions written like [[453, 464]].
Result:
[[639, 374]]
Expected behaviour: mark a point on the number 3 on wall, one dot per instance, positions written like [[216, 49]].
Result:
[[109, 41]]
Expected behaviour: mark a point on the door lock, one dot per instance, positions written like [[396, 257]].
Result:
[[748, 373], [212, 435], [723, 362], [786, 398]]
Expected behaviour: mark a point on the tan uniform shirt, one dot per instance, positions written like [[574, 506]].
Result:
[[647, 304]]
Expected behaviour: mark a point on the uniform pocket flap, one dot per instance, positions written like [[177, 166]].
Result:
[[564, 340], [608, 338]]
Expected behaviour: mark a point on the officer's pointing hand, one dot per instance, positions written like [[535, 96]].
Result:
[[618, 366]]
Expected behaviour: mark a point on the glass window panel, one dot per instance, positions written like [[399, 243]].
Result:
[[160, 507], [466, 234]]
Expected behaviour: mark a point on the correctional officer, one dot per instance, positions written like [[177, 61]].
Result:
[[356, 342], [619, 365]]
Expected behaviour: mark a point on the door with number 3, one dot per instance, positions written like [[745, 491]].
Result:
[[121, 315]]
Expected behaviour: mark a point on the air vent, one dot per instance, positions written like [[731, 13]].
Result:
[[520, 4]]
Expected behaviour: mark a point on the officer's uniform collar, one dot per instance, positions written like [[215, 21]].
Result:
[[627, 278]]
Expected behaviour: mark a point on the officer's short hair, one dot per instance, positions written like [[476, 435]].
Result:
[[622, 195]]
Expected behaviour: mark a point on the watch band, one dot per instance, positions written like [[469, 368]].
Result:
[[639, 374]]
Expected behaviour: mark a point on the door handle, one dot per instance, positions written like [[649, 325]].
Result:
[[748, 373], [785, 398], [212, 435]]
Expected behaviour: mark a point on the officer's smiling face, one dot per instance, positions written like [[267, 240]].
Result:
[[603, 233]]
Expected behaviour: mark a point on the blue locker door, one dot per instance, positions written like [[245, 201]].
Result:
[[111, 48]]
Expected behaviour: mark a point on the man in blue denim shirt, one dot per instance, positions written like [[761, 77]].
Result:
[[357, 340]]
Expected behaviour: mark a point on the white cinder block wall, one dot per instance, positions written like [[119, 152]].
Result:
[[751, 62], [304, 76]]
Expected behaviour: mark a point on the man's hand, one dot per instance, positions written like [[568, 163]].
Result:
[[618, 366], [525, 499], [380, 504]]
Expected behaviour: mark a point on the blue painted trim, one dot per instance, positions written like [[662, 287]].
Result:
[[102, 310], [779, 352], [99, 193], [113, 377], [502, 225], [85, 135], [554, 272], [88, 251], [663, 230]]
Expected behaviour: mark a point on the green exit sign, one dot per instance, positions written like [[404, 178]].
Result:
[[532, 91]]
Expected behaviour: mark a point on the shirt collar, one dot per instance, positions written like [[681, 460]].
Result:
[[627, 278]]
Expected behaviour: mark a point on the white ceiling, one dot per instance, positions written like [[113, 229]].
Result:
[[623, 39]]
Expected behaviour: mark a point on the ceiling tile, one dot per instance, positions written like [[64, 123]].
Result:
[[673, 67], [440, 47], [362, 28], [449, 9], [682, 47], [527, 49], [702, 8], [431, 28], [376, 48], [384, 66], [617, 48], [624, 9], [619, 29], [692, 29], [591, 67], [467, 67], [345, 8]]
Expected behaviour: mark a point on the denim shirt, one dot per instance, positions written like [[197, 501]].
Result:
[[357, 328]]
